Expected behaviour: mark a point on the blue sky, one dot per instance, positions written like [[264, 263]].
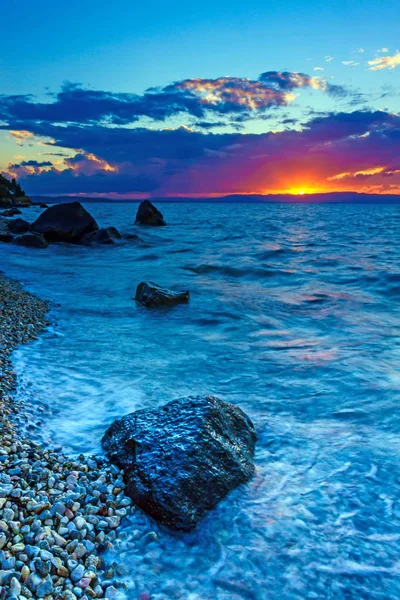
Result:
[[126, 48]]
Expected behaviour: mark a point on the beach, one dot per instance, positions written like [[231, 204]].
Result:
[[56, 514]]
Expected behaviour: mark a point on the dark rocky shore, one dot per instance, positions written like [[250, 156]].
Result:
[[57, 515]]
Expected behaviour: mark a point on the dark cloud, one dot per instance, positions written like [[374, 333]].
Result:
[[336, 146], [197, 98], [32, 163], [285, 80]]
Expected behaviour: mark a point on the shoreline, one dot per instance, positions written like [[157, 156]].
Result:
[[57, 514]]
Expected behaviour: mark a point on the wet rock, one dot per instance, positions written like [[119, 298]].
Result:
[[150, 294], [43, 205], [181, 459], [67, 222], [31, 240], [106, 235], [18, 226], [6, 236], [11, 212], [148, 214]]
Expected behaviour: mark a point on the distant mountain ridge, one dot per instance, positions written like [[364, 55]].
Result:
[[325, 198]]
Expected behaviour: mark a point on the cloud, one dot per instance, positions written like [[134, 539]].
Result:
[[328, 58], [32, 163], [385, 62], [198, 98], [383, 50], [332, 151], [350, 63], [233, 94], [21, 136]]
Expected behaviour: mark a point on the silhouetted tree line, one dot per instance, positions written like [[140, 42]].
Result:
[[10, 188]]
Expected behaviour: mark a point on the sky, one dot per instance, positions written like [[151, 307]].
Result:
[[201, 99]]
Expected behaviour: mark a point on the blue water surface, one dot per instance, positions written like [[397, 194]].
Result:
[[294, 316]]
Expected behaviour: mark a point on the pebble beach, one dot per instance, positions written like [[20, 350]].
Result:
[[58, 516]]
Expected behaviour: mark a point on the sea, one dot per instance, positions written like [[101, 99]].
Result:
[[294, 316]]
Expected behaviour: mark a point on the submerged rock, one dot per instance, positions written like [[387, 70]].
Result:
[[148, 214], [106, 235], [31, 240], [18, 226], [151, 294], [67, 222], [181, 459]]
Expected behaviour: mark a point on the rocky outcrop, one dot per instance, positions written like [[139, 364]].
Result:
[[43, 205], [18, 226], [106, 235], [31, 240], [5, 202], [148, 214], [181, 459], [67, 222], [150, 294], [23, 201]]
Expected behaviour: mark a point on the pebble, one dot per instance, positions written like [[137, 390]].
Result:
[[56, 513]]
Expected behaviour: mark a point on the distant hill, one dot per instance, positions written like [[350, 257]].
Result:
[[328, 198]]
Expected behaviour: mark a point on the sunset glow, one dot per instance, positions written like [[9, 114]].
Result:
[[243, 122]]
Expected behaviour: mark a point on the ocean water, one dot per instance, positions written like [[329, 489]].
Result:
[[294, 316]]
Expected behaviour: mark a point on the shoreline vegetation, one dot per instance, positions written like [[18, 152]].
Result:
[[57, 514]]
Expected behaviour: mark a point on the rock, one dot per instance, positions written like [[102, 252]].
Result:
[[23, 201], [43, 205], [11, 212], [151, 294], [18, 226], [5, 489], [106, 235], [4, 201], [31, 240], [77, 573], [147, 214], [45, 588], [181, 459], [6, 237], [67, 222]]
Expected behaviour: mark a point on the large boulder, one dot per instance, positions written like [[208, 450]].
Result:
[[31, 240], [148, 214], [106, 235], [67, 222], [150, 294], [18, 226], [181, 459]]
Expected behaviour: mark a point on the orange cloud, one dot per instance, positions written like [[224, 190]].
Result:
[[21, 136], [385, 62], [365, 172], [243, 92]]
